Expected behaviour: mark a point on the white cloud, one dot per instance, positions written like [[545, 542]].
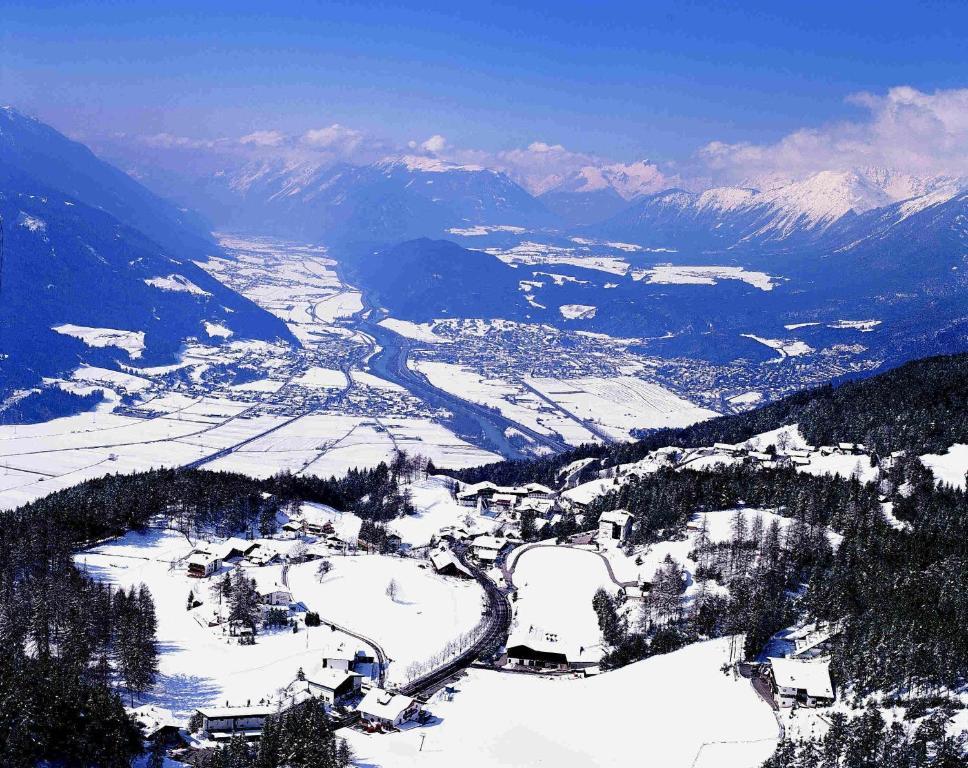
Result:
[[171, 141], [334, 137], [263, 139], [908, 130], [435, 144]]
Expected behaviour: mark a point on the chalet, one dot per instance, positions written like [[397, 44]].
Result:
[[729, 450], [222, 723], [234, 549], [333, 686], [614, 526], [539, 491], [387, 709], [528, 655], [446, 564], [540, 506], [275, 595], [202, 565], [359, 663], [156, 725], [806, 683], [800, 461], [488, 548], [851, 449], [474, 495], [760, 456]]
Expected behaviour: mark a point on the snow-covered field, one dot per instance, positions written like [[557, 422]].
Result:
[[949, 467], [513, 400], [668, 274], [673, 711], [622, 403], [784, 347], [555, 587], [427, 611], [197, 664]]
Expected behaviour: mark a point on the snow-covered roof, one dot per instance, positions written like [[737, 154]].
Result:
[[444, 557], [489, 542], [384, 704], [151, 719], [538, 488], [218, 713], [330, 678], [617, 516], [811, 676], [202, 558]]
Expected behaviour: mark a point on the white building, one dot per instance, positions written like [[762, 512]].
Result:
[[328, 684], [614, 526], [202, 564], [224, 722], [806, 683], [386, 708], [488, 548]]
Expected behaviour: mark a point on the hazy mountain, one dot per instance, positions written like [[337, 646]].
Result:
[[389, 201], [595, 193]]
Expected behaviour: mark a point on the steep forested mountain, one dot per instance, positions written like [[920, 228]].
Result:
[[81, 256]]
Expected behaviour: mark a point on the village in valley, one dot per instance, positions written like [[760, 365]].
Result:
[[491, 582]]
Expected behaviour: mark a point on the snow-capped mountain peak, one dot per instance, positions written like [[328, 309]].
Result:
[[426, 164], [628, 180]]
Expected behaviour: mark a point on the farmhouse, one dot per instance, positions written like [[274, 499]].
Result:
[[387, 709], [614, 526], [806, 683], [330, 685], [487, 495], [156, 724], [202, 564], [275, 595], [224, 722], [531, 655], [446, 564], [488, 548]]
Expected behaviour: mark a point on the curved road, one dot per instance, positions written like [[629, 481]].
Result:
[[499, 623], [381, 655]]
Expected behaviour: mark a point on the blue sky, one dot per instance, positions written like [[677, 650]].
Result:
[[617, 80]]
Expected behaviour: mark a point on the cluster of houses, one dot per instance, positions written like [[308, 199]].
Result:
[[341, 683], [786, 457], [509, 500]]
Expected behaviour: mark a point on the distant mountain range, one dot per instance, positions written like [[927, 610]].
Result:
[[827, 208], [93, 254], [88, 246]]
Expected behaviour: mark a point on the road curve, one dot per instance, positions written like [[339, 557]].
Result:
[[495, 634]]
